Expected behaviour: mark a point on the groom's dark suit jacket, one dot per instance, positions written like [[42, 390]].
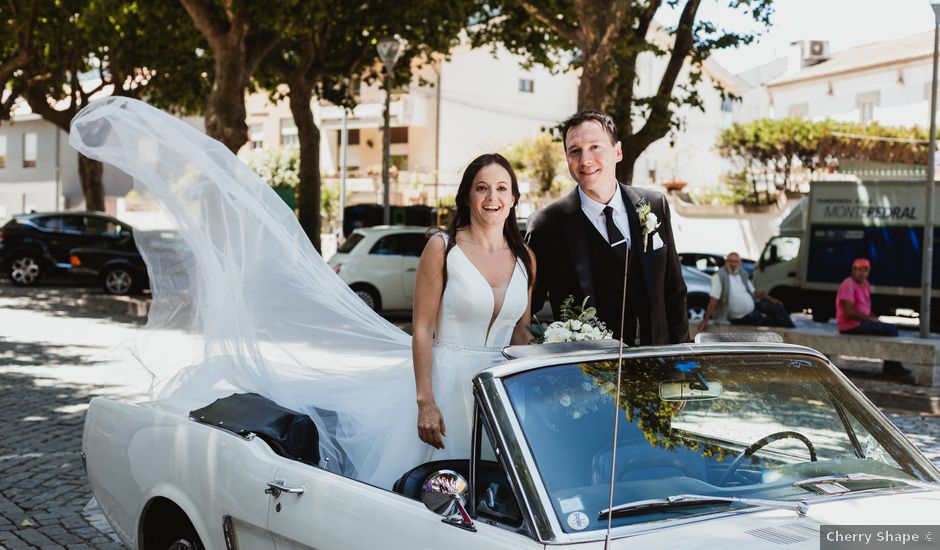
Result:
[[574, 259]]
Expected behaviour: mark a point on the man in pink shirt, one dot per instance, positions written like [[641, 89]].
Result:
[[853, 304]]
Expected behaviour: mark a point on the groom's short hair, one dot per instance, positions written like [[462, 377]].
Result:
[[605, 120]]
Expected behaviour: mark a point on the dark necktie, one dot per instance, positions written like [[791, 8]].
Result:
[[614, 236]]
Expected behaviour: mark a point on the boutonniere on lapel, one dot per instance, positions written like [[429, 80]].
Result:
[[648, 221]]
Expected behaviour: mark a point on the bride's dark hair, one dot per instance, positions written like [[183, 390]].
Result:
[[461, 217]]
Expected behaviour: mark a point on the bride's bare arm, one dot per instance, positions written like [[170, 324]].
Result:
[[429, 285], [520, 334]]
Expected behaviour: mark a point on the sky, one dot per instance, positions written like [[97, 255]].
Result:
[[844, 23]]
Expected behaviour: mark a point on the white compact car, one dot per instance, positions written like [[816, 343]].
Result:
[[719, 445], [380, 264]]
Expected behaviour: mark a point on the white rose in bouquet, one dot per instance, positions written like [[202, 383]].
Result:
[[577, 324], [557, 332]]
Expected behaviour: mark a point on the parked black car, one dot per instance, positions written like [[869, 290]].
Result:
[[370, 215], [35, 245], [119, 268]]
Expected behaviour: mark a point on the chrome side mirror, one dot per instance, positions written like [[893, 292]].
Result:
[[445, 492]]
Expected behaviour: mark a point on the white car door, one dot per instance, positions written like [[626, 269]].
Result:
[[383, 268], [337, 513], [412, 247]]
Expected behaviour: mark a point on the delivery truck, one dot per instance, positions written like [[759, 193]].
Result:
[[840, 220]]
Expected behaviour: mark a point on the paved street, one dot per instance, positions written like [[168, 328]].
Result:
[[53, 360], [54, 349]]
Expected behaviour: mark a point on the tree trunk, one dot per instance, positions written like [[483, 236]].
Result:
[[593, 87], [89, 172], [309, 136], [225, 111], [625, 166]]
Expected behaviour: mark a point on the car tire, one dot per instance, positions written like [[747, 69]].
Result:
[[696, 306], [369, 295], [172, 530], [118, 280], [184, 537], [25, 268]]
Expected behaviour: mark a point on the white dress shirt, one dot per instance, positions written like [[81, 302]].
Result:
[[595, 214]]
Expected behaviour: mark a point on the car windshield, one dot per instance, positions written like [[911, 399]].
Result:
[[724, 425]]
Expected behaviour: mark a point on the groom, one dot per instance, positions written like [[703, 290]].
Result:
[[583, 241]]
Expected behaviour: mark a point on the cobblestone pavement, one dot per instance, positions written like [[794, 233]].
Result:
[[54, 350], [53, 360]]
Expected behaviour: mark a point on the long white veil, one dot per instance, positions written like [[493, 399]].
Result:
[[243, 302]]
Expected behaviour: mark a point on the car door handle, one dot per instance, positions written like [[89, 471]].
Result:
[[411, 269], [791, 274], [276, 487]]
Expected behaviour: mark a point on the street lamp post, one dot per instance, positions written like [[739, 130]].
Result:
[[927, 266], [389, 49]]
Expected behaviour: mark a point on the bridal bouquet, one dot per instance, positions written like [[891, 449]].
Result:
[[577, 324]]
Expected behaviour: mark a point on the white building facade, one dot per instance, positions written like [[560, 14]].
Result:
[[39, 170], [452, 111], [886, 82]]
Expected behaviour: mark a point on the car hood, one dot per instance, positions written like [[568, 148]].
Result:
[[776, 528]]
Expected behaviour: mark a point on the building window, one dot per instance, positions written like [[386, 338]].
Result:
[[256, 136], [400, 134], [289, 135], [527, 85], [727, 105], [3, 151], [399, 161], [866, 104], [800, 110], [352, 137], [30, 149]]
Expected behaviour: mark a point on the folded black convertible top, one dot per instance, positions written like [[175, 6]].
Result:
[[289, 433]]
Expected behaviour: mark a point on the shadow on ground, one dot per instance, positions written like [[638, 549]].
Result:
[[64, 299], [26, 354]]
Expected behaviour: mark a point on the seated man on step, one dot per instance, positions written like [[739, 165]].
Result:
[[733, 298]]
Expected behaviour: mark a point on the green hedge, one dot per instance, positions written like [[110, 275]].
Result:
[[772, 155]]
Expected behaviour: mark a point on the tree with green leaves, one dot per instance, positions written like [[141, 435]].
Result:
[[538, 157], [781, 154], [330, 43], [77, 50], [239, 33], [16, 48], [604, 39]]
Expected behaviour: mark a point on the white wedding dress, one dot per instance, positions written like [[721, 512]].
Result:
[[242, 302], [466, 342]]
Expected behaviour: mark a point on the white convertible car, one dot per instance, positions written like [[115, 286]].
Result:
[[719, 445]]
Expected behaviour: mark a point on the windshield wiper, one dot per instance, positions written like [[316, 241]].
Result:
[[679, 501], [858, 476]]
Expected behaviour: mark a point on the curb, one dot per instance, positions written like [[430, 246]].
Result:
[[118, 305]]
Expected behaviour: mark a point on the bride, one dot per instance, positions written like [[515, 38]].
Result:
[[475, 287], [242, 302]]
